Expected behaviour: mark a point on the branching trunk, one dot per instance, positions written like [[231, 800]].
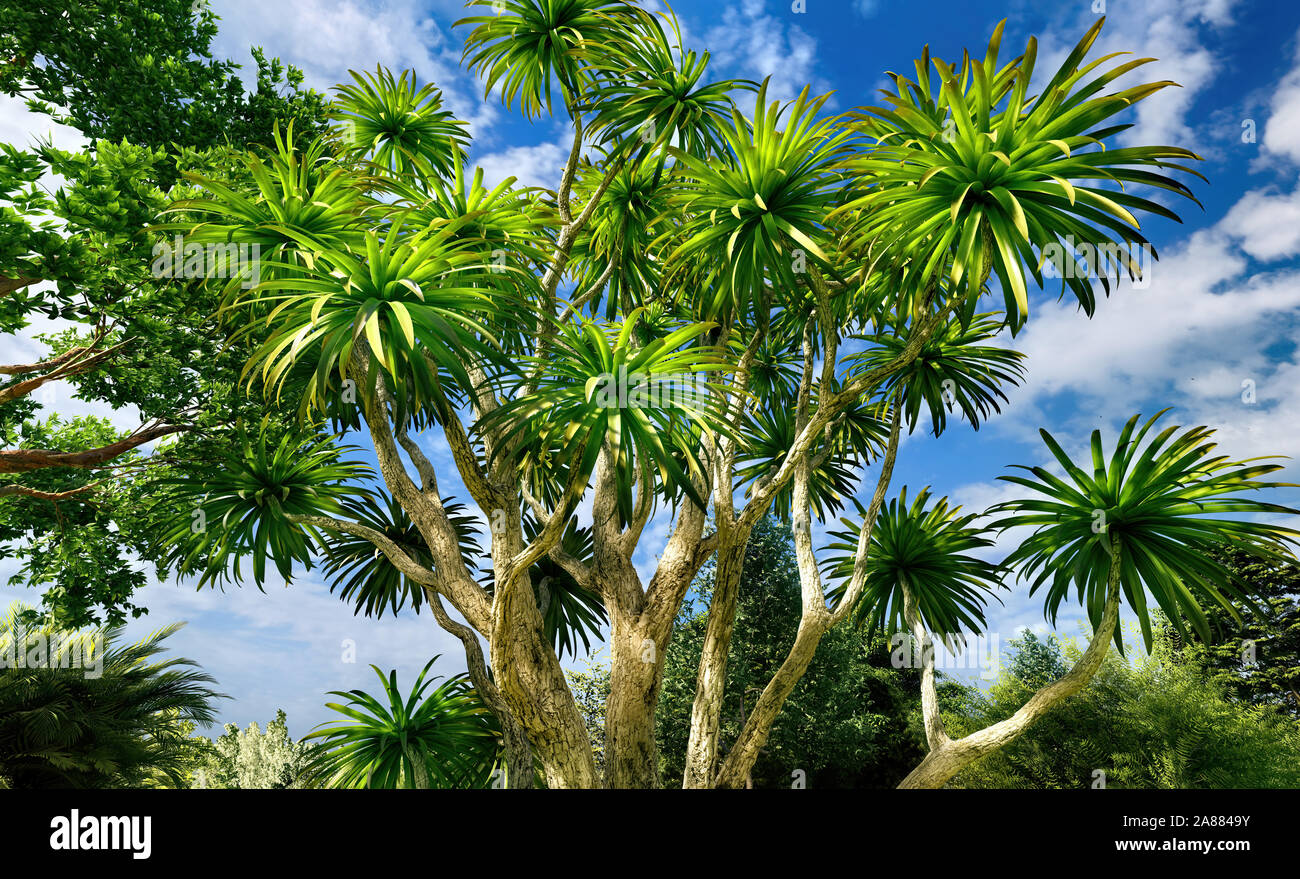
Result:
[[951, 757], [740, 759], [533, 685], [519, 753], [815, 619], [528, 673]]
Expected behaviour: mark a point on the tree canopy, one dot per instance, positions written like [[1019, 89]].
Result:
[[729, 307]]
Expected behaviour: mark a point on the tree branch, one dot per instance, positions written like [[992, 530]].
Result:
[[26, 460]]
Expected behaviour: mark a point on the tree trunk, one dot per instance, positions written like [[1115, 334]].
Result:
[[740, 759], [518, 750], [936, 736], [636, 668], [711, 682], [533, 684], [419, 779]]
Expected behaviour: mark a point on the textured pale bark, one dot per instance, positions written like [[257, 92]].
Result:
[[952, 756], [740, 759], [528, 673], [519, 753], [534, 686], [419, 771], [636, 640], [935, 735], [636, 673], [711, 679], [815, 619], [421, 504], [812, 425]]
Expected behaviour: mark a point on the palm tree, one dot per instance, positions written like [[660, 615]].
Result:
[[123, 724], [713, 316], [921, 577], [446, 738], [1113, 532]]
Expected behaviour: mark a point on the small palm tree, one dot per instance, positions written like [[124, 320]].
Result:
[[532, 47], [920, 565], [125, 724], [755, 213], [246, 508], [445, 738], [603, 390], [1142, 523]]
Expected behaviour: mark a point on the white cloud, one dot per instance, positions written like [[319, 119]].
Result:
[[751, 43], [537, 165], [1281, 135], [327, 38], [1266, 224]]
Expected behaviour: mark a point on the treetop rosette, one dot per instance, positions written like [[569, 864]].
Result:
[[926, 548], [1165, 501], [971, 174]]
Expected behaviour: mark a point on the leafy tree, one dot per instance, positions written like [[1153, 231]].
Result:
[[81, 710], [1255, 649], [590, 687], [688, 368], [143, 72], [138, 80], [1141, 523], [253, 759], [1154, 721]]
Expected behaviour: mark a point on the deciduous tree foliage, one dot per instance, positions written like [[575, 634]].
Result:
[[251, 758], [1254, 648], [1151, 721], [84, 251]]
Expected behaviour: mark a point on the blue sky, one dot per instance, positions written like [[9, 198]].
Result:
[[1220, 310]]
